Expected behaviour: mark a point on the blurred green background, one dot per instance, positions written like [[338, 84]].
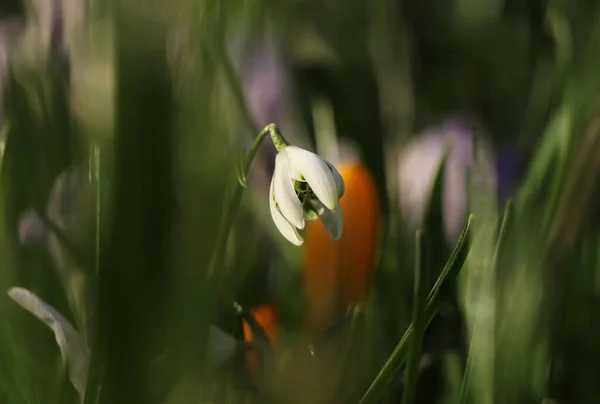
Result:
[[122, 125]]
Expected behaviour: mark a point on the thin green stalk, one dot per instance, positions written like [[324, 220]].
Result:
[[398, 357], [230, 213], [236, 88], [97, 181], [3, 135], [356, 313], [236, 198], [419, 305], [464, 390]]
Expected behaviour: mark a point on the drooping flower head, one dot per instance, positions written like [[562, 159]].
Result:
[[304, 187]]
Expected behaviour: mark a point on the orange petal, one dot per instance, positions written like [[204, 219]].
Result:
[[341, 273], [266, 315]]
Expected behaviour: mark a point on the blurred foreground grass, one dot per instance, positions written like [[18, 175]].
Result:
[[145, 103]]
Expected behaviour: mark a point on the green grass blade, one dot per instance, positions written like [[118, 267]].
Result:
[[419, 306], [476, 335], [398, 357]]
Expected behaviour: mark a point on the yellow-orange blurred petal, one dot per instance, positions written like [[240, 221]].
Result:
[[341, 272], [267, 316]]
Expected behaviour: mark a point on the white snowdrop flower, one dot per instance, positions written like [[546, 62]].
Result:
[[304, 187]]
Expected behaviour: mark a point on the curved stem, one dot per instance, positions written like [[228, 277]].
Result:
[[236, 88], [277, 138], [230, 213]]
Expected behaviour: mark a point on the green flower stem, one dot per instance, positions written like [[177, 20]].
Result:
[[398, 357], [236, 199], [231, 211], [277, 138], [465, 386], [416, 343], [236, 88]]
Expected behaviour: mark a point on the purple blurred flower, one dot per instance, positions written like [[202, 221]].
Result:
[[32, 230], [7, 34], [510, 167], [69, 208], [51, 28], [418, 166], [266, 83]]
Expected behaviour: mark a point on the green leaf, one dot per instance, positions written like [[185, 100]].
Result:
[[418, 322], [398, 357], [433, 226], [480, 309]]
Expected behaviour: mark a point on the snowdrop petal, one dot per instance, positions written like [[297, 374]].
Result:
[[285, 194], [285, 228], [339, 181], [70, 343], [334, 222], [295, 173], [316, 172]]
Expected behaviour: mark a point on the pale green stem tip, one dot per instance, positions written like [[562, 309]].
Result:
[[278, 140]]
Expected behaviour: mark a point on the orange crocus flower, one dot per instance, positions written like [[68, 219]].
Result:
[[337, 274], [267, 316]]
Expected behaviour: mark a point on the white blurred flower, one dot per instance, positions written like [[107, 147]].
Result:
[[52, 27], [305, 187], [72, 347], [266, 83], [8, 32], [221, 347], [419, 163], [92, 79], [70, 209], [75, 353]]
